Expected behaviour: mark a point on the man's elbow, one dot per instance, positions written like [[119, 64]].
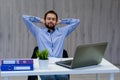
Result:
[[24, 16], [78, 20]]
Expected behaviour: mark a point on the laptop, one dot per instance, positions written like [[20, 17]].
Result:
[[85, 55]]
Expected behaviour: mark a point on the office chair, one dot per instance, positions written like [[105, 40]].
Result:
[[65, 55]]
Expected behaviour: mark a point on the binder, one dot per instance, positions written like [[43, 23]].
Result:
[[16, 67], [16, 64], [19, 61]]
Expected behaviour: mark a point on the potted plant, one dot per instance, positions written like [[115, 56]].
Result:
[[43, 58]]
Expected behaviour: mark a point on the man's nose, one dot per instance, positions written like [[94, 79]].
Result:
[[51, 20]]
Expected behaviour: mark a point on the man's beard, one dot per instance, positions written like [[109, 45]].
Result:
[[50, 27]]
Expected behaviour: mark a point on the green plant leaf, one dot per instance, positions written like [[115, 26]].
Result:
[[42, 54]]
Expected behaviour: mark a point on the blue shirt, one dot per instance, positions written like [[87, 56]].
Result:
[[53, 41]]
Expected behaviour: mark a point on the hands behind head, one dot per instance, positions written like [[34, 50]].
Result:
[[58, 22], [42, 21]]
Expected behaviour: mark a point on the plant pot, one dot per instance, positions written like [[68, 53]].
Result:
[[43, 64]]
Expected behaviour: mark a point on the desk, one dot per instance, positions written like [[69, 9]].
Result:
[[103, 67]]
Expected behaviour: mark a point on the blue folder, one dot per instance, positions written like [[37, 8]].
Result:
[[17, 67]]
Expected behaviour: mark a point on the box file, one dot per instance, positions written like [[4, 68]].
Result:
[[16, 67], [19, 61]]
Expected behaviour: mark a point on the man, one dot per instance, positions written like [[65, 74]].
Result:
[[51, 37]]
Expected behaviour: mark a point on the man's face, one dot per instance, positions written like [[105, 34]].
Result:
[[50, 21]]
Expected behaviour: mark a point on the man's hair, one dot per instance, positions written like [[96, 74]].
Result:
[[52, 12]]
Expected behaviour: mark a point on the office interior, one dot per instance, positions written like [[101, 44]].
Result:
[[99, 22]]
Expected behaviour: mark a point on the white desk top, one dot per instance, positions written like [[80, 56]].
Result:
[[103, 67]]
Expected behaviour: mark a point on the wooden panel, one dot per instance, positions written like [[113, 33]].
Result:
[[100, 22]]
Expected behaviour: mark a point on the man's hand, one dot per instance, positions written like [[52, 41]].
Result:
[[42, 21], [58, 22]]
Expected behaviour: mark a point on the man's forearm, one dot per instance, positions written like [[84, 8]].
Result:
[[31, 18], [69, 21]]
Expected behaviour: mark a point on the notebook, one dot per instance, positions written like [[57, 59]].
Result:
[[85, 55]]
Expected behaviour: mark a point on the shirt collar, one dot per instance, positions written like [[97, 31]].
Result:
[[47, 30]]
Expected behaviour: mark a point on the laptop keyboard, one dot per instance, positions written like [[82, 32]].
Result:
[[67, 62]]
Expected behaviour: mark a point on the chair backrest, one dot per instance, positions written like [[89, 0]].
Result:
[[65, 54], [34, 52]]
